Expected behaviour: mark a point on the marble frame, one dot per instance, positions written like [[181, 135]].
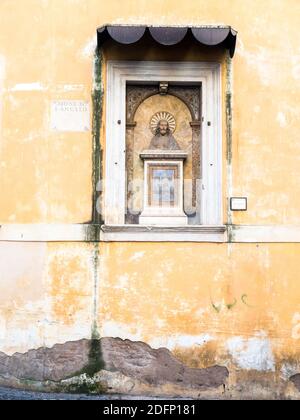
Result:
[[206, 73], [163, 215], [188, 98]]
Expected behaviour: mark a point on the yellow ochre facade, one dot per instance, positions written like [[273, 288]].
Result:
[[233, 304]]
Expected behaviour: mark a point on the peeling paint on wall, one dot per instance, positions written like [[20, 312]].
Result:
[[89, 48], [24, 87], [252, 353], [281, 118], [3, 329], [181, 341], [296, 326], [21, 271]]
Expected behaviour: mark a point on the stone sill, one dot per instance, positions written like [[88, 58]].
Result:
[[143, 233]]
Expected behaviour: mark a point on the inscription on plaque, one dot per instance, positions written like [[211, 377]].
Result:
[[73, 115]]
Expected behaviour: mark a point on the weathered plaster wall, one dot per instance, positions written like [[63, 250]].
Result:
[[46, 294], [195, 289], [236, 305], [46, 53]]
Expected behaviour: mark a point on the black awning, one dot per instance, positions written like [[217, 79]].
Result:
[[206, 35]]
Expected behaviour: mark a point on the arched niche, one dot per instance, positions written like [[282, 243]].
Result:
[[184, 104]]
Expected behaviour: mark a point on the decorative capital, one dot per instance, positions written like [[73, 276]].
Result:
[[163, 88]]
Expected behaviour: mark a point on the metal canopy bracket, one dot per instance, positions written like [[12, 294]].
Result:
[[205, 35]]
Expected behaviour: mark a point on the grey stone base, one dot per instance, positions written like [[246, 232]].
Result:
[[108, 365]]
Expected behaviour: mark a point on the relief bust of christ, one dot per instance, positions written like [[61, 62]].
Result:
[[162, 128]]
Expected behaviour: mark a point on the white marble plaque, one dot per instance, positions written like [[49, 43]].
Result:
[[70, 115]]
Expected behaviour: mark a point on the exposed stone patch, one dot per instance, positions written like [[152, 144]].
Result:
[[44, 364], [140, 361], [133, 360], [296, 380]]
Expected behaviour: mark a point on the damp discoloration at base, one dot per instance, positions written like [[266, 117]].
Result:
[[135, 360], [113, 365]]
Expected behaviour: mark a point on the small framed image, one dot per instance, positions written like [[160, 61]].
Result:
[[238, 203], [163, 185], [163, 188]]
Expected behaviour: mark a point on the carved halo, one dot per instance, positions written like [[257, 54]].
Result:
[[162, 115]]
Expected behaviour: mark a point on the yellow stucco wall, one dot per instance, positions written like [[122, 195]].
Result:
[[231, 302], [46, 294], [50, 44]]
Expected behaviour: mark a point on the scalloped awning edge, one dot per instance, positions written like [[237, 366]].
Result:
[[169, 35]]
